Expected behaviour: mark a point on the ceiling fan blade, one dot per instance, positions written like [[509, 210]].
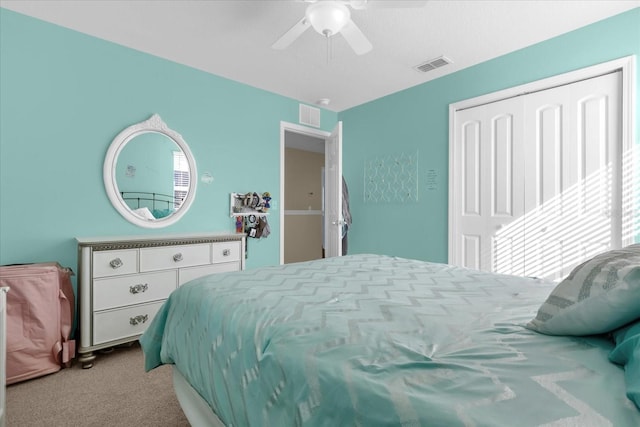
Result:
[[366, 4], [290, 36], [356, 39]]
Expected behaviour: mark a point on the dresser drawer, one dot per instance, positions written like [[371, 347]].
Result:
[[187, 274], [111, 325], [226, 251], [174, 257], [134, 289], [115, 263]]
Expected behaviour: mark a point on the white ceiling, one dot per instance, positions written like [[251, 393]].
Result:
[[233, 38]]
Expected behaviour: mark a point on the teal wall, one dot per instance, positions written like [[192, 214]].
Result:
[[417, 120], [65, 96]]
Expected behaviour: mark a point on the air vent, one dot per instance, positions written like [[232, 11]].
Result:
[[309, 116], [432, 64]]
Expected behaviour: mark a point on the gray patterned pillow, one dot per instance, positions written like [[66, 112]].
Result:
[[598, 296]]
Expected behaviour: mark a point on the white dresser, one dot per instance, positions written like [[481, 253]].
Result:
[[123, 281]]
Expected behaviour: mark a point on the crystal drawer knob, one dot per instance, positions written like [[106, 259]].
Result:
[[116, 263], [138, 319], [226, 252], [177, 257], [140, 287]]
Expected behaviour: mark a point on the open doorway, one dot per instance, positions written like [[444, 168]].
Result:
[[303, 197], [310, 140]]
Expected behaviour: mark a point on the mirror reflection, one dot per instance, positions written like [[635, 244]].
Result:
[[152, 175]]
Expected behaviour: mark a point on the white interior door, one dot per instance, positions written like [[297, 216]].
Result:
[[537, 179], [333, 219], [490, 184], [573, 158]]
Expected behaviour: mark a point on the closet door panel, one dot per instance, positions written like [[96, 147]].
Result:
[[471, 181], [471, 168], [502, 147], [491, 186], [544, 141], [570, 137], [548, 157], [595, 144], [505, 230]]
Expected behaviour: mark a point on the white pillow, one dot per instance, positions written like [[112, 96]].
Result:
[[144, 213], [598, 296]]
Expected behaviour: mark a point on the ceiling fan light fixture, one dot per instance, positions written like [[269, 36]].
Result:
[[328, 17]]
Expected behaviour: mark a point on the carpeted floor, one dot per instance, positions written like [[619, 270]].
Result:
[[114, 392]]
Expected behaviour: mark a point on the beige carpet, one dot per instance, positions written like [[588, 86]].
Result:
[[114, 392]]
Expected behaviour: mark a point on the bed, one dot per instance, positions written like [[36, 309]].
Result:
[[372, 340], [149, 205]]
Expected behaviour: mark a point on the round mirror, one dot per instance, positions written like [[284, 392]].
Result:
[[150, 174]]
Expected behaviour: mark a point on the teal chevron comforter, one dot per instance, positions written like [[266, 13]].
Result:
[[368, 340]]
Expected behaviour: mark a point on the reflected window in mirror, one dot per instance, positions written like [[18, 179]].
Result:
[[180, 178]]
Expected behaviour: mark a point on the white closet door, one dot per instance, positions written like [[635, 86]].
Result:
[[539, 180], [491, 184], [571, 140]]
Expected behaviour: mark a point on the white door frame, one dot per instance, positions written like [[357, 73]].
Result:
[[626, 65], [304, 130]]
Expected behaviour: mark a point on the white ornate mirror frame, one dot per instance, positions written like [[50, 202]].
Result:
[[153, 125]]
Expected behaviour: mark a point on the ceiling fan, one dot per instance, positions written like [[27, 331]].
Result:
[[330, 17]]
